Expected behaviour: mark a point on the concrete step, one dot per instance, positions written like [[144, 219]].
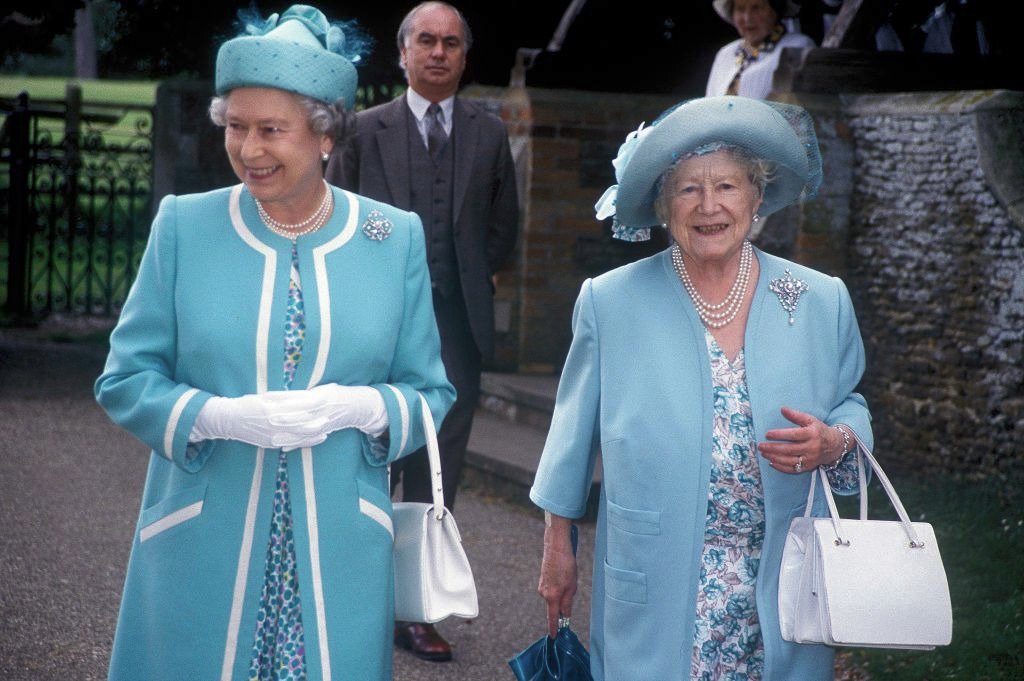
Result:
[[502, 456], [509, 430], [521, 398]]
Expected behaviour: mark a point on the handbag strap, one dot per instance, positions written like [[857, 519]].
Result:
[[864, 458], [434, 457]]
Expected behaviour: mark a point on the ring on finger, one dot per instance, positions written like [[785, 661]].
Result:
[[799, 465]]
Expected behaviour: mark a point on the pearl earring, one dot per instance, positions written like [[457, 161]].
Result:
[[757, 218], [325, 157]]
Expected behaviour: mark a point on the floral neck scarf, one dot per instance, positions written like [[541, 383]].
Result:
[[745, 56]]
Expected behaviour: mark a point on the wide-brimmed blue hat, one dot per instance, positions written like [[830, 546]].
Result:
[[298, 51], [777, 132]]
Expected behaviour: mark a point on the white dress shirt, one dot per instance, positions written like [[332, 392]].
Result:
[[756, 80], [418, 105]]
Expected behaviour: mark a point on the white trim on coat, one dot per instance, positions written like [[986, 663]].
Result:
[[170, 520], [403, 411], [262, 338], [314, 561], [267, 294], [242, 574], [172, 422], [378, 514], [323, 288]]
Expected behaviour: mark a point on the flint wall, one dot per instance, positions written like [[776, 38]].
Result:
[[935, 256]]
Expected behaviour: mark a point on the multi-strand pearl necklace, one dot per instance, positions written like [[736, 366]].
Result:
[[314, 222], [717, 315]]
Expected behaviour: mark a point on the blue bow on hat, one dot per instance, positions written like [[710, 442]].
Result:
[[298, 51], [605, 206], [777, 132]]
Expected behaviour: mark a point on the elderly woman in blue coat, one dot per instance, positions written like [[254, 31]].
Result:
[[713, 378], [275, 353]]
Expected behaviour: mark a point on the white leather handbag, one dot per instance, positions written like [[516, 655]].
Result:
[[433, 579], [864, 583]]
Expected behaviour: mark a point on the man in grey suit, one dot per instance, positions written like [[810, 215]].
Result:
[[449, 161]]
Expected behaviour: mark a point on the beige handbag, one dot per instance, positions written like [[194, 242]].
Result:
[[433, 579], [864, 583]]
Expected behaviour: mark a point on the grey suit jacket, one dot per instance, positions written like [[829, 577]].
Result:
[[375, 163]]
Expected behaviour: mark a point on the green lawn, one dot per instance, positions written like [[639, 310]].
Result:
[[142, 93], [98, 96], [138, 93], [980, 530]]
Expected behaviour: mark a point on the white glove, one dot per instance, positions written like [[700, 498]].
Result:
[[351, 406], [273, 419]]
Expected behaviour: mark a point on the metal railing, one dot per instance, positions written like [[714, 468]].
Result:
[[76, 187], [76, 193]]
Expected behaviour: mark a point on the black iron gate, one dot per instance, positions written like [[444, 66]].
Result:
[[75, 200]]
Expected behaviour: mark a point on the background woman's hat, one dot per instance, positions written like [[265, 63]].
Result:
[[298, 51], [777, 132], [789, 8]]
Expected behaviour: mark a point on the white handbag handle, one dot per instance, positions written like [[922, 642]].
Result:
[[434, 456], [862, 454]]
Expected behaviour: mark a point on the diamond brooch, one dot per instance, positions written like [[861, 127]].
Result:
[[377, 227], [788, 289]]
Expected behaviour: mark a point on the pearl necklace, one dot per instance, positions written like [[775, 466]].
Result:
[[292, 231], [717, 315]]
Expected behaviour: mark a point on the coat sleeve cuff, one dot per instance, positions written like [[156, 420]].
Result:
[[405, 428], [554, 507], [176, 447]]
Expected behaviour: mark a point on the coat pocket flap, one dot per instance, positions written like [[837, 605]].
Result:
[[625, 585], [634, 520], [375, 505], [176, 509]]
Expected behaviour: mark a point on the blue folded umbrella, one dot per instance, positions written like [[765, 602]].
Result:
[[562, 658]]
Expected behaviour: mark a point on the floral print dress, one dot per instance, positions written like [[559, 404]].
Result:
[[727, 641], [279, 649]]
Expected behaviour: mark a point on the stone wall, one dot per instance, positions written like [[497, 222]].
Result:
[[935, 268]]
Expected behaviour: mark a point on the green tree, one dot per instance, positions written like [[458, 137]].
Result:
[[29, 27], [165, 38]]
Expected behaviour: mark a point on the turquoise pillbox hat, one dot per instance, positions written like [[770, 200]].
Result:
[[774, 131], [298, 51]]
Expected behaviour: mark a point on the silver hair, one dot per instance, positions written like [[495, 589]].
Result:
[[760, 172], [332, 120], [405, 28]]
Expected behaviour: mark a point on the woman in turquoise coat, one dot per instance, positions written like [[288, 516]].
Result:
[[273, 353], [713, 378]]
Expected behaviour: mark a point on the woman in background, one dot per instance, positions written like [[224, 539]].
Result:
[[747, 65]]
